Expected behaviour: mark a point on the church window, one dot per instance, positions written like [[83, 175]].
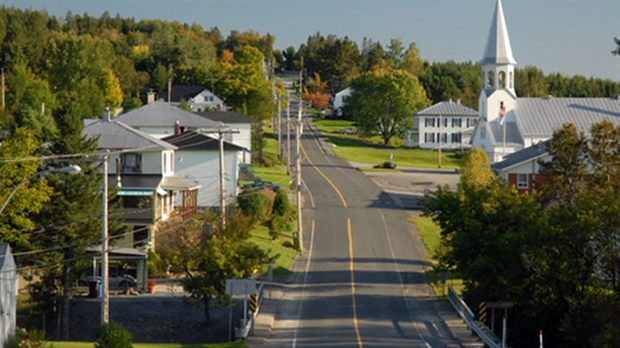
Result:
[[522, 181], [502, 79], [491, 80], [483, 133], [510, 80]]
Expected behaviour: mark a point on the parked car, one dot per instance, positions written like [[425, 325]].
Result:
[[114, 281], [259, 184]]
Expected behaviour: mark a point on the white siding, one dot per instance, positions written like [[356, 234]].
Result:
[[152, 163], [204, 168], [8, 296]]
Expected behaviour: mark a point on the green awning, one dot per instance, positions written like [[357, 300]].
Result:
[[129, 192]]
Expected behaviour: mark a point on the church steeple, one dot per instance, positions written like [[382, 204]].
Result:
[[498, 64]]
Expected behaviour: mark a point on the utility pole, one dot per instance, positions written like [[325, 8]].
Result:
[[279, 126], [221, 132], [105, 300], [288, 135], [439, 149], [220, 137], [298, 177], [3, 100]]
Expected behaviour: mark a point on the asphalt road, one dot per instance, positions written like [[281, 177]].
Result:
[[360, 281]]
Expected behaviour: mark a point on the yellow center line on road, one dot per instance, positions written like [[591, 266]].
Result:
[[360, 344], [351, 267], [344, 202]]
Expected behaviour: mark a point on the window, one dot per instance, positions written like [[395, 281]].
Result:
[[456, 122], [522, 181], [131, 163], [510, 75], [483, 133], [456, 138], [429, 137], [429, 122], [445, 122], [502, 79]]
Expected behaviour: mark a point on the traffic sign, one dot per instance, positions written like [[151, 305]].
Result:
[[253, 302], [499, 304]]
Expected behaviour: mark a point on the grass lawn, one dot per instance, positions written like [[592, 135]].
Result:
[[371, 150], [286, 255], [236, 344], [430, 235]]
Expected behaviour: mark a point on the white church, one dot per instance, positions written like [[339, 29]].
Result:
[[507, 123]]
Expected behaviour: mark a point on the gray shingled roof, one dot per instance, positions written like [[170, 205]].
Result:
[[527, 154], [177, 183], [541, 116], [513, 136], [497, 49], [227, 117], [180, 92], [115, 135], [159, 114], [196, 141], [447, 108]]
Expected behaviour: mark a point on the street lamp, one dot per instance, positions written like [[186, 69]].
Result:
[[72, 169]]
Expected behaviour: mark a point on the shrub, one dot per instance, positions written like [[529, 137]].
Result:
[[281, 204], [277, 225], [22, 338], [257, 204], [113, 335], [155, 264], [386, 165], [288, 244]]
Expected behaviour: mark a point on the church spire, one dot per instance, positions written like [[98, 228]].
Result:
[[498, 50], [498, 65]]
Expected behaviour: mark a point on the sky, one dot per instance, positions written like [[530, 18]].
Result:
[[557, 36]]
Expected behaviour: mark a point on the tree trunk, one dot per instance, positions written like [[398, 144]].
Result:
[[261, 160], [66, 286], [207, 312]]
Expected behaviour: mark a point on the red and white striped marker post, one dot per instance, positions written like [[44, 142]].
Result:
[[540, 338]]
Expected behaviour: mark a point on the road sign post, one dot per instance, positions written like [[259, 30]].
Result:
[[505, 305]]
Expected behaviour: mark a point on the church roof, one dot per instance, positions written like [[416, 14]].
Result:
[[497, 49], [447, 108], [513, 136], [533, 152], [541, 116]]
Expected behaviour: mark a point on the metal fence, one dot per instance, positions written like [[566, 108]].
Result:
[[467, 315]]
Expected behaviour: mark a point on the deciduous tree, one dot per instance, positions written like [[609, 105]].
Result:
[[207, 256], [383, 101]]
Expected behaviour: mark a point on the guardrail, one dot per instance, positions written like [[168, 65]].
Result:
[[488, 337], [247, 327]]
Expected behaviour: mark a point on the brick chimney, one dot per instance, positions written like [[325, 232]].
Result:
[[177, 128], [150, 96]]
